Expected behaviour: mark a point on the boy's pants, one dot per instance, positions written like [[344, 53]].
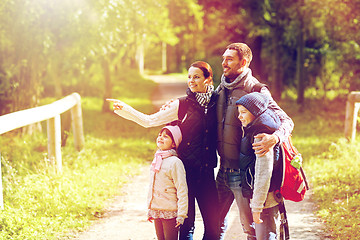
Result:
[[228, 184]]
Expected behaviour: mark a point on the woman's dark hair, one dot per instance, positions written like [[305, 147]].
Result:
[[205, 68]]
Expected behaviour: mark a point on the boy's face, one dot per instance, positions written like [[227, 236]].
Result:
[[245, 116]]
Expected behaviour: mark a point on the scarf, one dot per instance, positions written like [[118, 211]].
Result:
[[204, 98], [159, 156], [235, 83]]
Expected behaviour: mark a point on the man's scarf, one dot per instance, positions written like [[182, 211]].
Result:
[[159, 156], [235, 83]]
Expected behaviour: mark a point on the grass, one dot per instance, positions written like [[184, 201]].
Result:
[[332, 164], [40, 204]]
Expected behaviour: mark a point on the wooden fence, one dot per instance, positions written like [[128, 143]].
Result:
[[50, 113], [352, 109]]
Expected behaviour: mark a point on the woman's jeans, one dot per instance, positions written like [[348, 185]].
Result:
[[228, 185], [202, 187]]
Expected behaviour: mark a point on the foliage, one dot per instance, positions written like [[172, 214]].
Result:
[[40, 204], [331, 164]]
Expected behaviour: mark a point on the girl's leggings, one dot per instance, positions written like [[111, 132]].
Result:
[[165, 229]]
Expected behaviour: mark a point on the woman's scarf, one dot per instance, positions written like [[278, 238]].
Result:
[[159, 156], [234, 84], [204, 98]]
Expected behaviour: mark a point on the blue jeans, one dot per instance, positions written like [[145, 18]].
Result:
[[229, 188]]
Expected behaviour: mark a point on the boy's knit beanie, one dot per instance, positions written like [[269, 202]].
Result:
[[176, 134], [254, 102]]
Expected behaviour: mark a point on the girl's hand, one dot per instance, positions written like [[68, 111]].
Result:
[[150, 219], [178, 224], [117, 104], [256, 217]]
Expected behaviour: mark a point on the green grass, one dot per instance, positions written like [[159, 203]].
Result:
[[332, 164], [40, 204]]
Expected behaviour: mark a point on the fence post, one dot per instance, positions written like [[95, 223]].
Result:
[[54, 141], [352, 109], [1, 188], [77, 124]]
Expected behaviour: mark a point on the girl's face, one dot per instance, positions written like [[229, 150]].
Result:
[[196, 80], [245, 116], [164, 141]]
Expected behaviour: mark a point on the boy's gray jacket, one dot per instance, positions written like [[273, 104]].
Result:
[[168, 189]]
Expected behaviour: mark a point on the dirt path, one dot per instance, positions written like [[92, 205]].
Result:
[[125, 217]]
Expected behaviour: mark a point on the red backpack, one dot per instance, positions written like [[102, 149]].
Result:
[[294, 184]]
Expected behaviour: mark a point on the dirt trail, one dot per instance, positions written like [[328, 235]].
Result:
[[125, 217]]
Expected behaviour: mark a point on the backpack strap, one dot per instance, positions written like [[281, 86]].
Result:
[[284, 225], [258, 86]]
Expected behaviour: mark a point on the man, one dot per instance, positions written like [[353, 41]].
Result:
[[236, 81]]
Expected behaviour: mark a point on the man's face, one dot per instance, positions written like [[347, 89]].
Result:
[[231, 64]]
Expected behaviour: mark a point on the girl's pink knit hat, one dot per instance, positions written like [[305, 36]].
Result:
[[176, 134]]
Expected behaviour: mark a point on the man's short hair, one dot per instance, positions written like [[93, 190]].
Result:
[[243, 51]]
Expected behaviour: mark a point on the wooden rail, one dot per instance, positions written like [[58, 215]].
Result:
[[50, 113], [352, 109]]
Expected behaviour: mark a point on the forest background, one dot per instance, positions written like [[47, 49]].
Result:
[[51, 48], [307, 51]]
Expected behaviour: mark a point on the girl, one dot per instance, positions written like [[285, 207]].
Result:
[[168, 195], [196, 113]]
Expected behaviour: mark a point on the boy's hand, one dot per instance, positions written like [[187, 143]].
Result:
[[267, 142], [256, 217], [117, 104]]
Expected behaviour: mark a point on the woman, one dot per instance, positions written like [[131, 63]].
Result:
[[196, 116]]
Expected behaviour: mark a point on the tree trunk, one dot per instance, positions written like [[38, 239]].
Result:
[[300, 65], [276, 62], [108, 85]]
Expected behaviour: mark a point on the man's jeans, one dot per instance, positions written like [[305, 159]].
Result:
[[228, 185]]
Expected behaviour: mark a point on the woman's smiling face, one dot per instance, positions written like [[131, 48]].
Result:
[[196, 80]]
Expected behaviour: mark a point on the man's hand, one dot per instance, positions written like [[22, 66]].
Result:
[[256, 217], [267, 142]]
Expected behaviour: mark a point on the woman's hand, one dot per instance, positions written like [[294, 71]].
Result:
[[117, 104]]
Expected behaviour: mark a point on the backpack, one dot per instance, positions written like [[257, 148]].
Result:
[[294, 184]]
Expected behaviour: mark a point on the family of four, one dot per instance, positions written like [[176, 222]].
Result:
[[241, 123]]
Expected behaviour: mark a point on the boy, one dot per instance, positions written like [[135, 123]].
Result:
[[260, 175]]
